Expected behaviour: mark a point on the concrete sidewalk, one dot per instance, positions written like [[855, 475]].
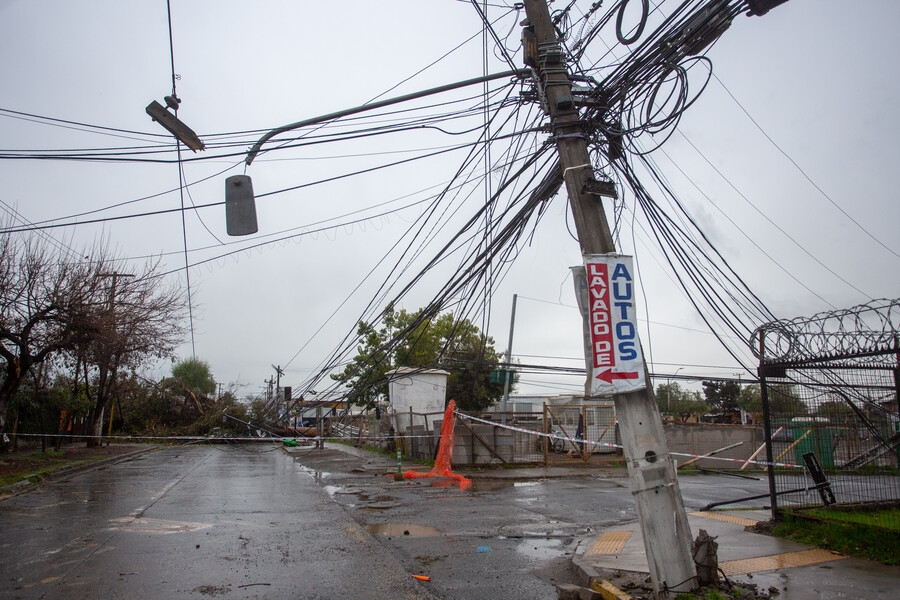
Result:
[[787, 570]]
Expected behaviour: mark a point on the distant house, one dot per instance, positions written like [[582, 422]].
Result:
[[534, 404]]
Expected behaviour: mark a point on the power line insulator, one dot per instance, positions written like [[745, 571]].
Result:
[[172, 101]]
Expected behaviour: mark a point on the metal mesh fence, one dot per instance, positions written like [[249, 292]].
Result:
[[585, 432], [834, 428]]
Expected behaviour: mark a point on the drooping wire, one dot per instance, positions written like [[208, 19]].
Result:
[[489, 28], [468, 274], [187, 271], [804, 173]]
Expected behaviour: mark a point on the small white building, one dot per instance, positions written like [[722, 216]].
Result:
[[422, 390]]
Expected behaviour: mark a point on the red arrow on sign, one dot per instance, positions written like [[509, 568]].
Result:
[[608, 375]]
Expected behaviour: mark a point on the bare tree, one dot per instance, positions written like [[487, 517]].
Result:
[[104, 316], [46, 302], [142, 320]]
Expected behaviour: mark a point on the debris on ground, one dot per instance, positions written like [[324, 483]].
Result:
[[628, 586]]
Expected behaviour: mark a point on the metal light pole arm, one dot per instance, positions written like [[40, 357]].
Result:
[[521, 73]]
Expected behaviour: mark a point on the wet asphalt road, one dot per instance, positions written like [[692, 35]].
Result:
[[512, 535], [503, 538], [192, 522], [256, 522]]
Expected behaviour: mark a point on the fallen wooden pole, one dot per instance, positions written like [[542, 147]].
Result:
[[791, 447], [708, 454], [758, 450]]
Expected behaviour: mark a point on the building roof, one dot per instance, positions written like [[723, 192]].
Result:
[[417, 370]]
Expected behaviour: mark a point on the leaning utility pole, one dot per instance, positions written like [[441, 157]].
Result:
[[279, 372], [664, 525]]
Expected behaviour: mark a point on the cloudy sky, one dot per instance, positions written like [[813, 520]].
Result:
[[784, 161]]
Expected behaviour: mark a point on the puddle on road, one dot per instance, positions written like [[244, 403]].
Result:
[[156, 525], [380, 505], [317, 475], [331, 490], [492, 485], [368, 502], [403, 529]]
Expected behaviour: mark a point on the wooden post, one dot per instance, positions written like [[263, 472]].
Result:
[[429, 437], [758, 450], [545, 446], [409, 434], [713, 453], [791, 447], [320, 429]]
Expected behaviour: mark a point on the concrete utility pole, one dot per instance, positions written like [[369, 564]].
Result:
[[660, 508], [507, 375]]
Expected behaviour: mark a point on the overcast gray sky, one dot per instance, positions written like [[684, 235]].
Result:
[[785, 161]]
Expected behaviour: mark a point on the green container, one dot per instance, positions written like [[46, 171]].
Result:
[[819, 441]]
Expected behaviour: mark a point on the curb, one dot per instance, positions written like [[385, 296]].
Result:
[[609, 591], [602, 590], [599, 580]]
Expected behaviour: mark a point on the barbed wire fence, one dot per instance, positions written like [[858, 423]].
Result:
[[830, 385]]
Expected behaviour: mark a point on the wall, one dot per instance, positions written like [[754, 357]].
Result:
[[425, 391], [700, 439]]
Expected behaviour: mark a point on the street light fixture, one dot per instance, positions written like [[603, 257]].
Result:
[[669, 391], [240, 206]]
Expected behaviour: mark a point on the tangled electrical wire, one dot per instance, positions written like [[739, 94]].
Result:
[[631, 98], [630, 107]]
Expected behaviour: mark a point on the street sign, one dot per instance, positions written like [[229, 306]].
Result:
[[618, 365], [502, 376]]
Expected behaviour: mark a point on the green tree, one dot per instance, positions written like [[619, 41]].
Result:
[[459, 347], [194, 383], [785, 402], [195, 375], [425, 340], [365, 375], [722, 395], [677, 402], [836, 410], [750, 400]]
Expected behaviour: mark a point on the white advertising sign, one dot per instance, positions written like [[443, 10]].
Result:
[[618, 365]]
